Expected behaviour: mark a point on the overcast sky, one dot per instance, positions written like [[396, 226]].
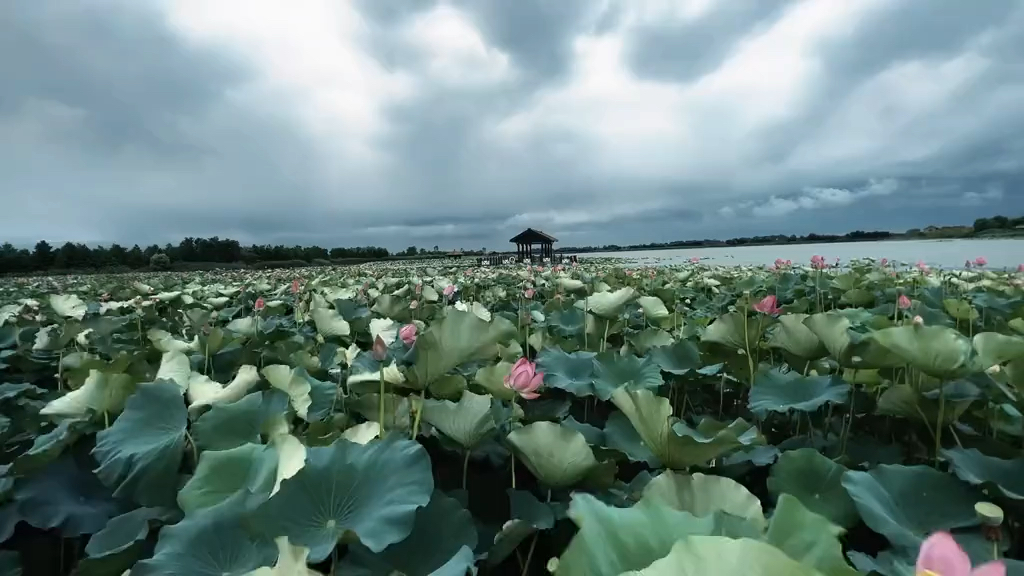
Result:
[[461, 122]]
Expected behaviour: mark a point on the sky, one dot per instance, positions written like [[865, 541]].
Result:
[[458, 123]]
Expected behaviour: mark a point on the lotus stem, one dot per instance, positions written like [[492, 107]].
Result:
[[419, 413], [533, 543], [465, 468], [746, 347], [604, 340], [380, 405], [938, 421]]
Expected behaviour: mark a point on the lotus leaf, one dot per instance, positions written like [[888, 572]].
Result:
[[558, 456], [678, 358], [774, 391], [935, 350], [1006, 476], [140, 453], [572, 372], [703, 555], [467, 422], [907, 503], [372, 490], [816, 481], [703, 495], [457, 338], [793, 336]]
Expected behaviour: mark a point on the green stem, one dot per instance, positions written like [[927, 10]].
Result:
[[465, 468], [746, 347], [533, 544], [419, 412], [938, 422], [380, 405]]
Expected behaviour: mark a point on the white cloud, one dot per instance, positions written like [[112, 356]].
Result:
[[814, 198], [987, 196], [456, 52]]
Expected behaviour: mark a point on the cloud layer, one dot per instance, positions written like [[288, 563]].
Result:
[[460, 122]]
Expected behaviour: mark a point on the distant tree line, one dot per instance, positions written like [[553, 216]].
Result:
[[190, 253], [996, 226]]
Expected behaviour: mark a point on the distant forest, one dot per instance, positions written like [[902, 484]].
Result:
[[994, 227], [210, 253]]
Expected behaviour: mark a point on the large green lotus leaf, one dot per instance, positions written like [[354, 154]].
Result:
[[672, 442], [329, 323], [620, 435], [935, 350], [721, 556], [457, 338], [370, 489], [174, 366], [68, 306], [808, 538], [492, 379], [774, 391], [441, 530], [735, 330], [569, 371], [236, 423], [973, 467], [815, 480], [101, 392], [449, 387], [793, 336], [679, 358], [63, 495], [612, 540], [653, 307], [907, 503], [558, 456], [248, 470], [467, 422], [567, 323], [295, 382], [703, 495], [857, 297], [902, 400], [649, 338], [47, 447], [140, 453], [994, 348], [213, 542], [613, 370], [833, 330], [609, 305]]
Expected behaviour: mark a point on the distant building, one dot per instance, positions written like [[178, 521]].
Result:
[[526, 240]]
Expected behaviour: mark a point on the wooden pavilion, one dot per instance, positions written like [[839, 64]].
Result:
[[526, 240]]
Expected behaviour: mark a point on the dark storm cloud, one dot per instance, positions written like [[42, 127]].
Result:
[[116, 126], [684, 51]]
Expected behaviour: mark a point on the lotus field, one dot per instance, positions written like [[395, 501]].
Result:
[[593, 420]]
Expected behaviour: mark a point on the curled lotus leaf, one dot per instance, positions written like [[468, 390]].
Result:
[[558, 456]]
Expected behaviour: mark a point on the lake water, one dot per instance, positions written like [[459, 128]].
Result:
[[1005, 253]]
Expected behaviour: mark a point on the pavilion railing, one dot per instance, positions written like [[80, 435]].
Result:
[[511, 258]]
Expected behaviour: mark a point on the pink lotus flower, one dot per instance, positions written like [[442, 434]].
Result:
[[528, 293], [408, 334], [413, 305], [295, 286], [903, 302], [980, 261], [818, 262], [449, 290], [1020, 268], [940, 555], [694, 260], [779, 262], [524, 379], [259, 304], [885, 261], [380, 349], [922, 266], [768, 305], [419, 287]]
